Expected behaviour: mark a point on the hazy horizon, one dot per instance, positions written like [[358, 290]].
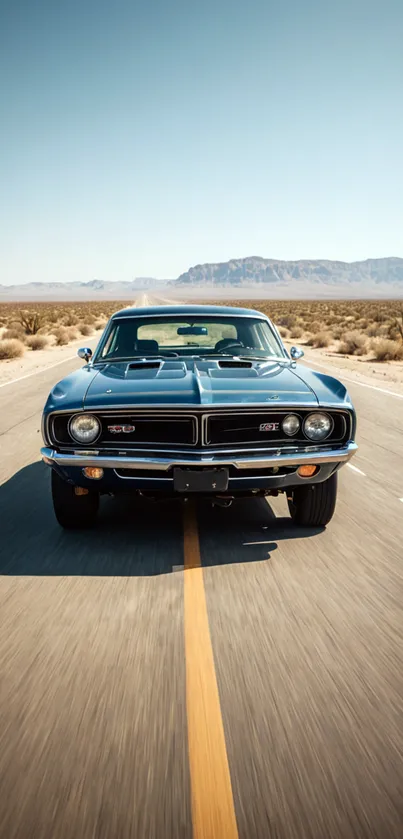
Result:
[[168, 280]]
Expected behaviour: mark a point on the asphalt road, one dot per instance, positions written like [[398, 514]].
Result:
[[256, 693]]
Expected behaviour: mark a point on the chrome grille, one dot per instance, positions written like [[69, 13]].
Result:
[[220, 430], [124, 429], [263, 428]]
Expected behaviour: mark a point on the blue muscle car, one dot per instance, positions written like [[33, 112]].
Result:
[[183, 400]]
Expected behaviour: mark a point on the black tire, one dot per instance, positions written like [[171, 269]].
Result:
[[73, 511], [313, 505]]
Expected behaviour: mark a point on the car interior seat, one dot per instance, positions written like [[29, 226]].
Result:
[[147, 347], [226, 342]]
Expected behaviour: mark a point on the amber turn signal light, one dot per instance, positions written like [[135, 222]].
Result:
[[94, 472], [307, 471]]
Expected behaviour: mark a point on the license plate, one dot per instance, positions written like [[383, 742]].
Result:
[[205, 480]]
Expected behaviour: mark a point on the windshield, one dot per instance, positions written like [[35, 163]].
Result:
[[132, 337]]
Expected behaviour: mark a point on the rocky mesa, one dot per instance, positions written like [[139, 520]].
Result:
[[256, 270]]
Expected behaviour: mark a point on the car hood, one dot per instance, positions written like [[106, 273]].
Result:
[[196, 382]]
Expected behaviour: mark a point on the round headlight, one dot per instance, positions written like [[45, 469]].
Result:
[[291, 424], [84, 428], [318, 426]]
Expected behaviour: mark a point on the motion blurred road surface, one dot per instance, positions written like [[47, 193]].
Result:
[[183, 671]]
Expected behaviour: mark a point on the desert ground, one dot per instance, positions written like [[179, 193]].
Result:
[[35, 336], [362, 339]]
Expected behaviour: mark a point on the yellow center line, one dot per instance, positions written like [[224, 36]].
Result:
[[213, 812]]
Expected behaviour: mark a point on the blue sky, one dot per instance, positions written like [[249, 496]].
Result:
[[139, 138]]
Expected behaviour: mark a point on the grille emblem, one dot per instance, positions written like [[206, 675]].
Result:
[[121, 429], [269, 426]]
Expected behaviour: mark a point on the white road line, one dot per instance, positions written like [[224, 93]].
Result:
[[344, 378], [355, 469], [372, 387], [43, 370]]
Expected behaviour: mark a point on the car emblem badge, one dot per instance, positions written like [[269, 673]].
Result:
[[274, 396], [269, 426], [121, 429]]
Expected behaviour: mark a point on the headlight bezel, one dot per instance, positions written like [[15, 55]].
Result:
[[84, 442], [315, 414], [298, 429]]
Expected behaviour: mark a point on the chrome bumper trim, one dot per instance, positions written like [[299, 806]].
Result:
[[341, 455]]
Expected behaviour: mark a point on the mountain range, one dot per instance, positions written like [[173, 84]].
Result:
[[252, 275], [255, 270]]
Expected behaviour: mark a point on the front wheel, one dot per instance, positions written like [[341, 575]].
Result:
[[72, 510], [313, 505]]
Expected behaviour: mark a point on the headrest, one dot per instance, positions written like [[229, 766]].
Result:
[[147, 347]]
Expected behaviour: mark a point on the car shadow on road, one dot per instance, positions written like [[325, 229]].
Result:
[[133, 537], [248, 531]]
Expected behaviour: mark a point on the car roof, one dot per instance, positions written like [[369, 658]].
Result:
[[186, 310]]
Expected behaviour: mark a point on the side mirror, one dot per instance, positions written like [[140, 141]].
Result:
[[85, 353], [296, 353]]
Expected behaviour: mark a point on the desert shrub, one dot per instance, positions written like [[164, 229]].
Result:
[[380, 316], [53, 316], [353, 343], [85, 329], [283, 332], [11, 348], [30, 321], [14, 334], [315, 327], [73, 333], [398, 324], [62, 336], [100, 324], [287, 320], [373, 331], [321, 339], [37, 342], [70, 319], [378, 330], [296, 332], [386, 350]]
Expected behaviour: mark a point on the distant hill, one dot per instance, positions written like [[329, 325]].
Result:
[[251, 277], [255, 270], [94, 289]]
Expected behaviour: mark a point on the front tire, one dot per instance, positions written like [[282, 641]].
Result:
[[313, 505], [73, 511]]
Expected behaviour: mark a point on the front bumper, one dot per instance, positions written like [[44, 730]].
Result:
[[247, 472], [158, 464]]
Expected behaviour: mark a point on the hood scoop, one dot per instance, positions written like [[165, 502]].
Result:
[[155, 368], [144, 365], [234, 365]]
